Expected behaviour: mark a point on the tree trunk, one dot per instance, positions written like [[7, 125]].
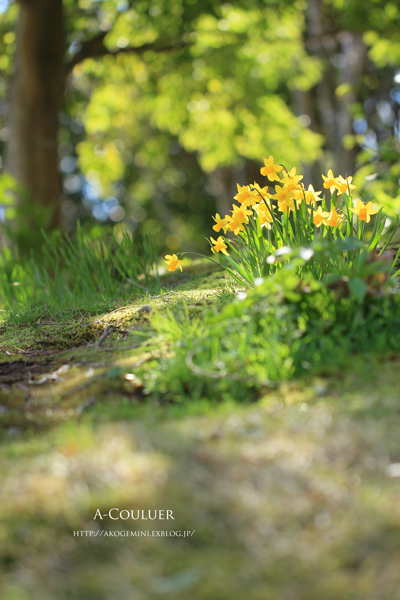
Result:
[[354, 52], [332, 116], [36, 97]]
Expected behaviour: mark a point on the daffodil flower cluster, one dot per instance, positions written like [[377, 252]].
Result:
[[284, 213], [258, 202]]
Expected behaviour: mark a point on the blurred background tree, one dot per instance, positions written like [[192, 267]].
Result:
[[146, 113]]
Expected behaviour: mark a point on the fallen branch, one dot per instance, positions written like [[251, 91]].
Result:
[[108, 330]]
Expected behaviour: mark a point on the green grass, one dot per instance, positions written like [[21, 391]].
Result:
[[81, 274], [267, 423]]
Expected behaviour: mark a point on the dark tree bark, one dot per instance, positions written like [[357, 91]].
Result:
[[36, 97], [330, 115]]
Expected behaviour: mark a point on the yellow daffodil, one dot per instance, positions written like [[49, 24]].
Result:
[[239, 218], [265, 220], [246, 196], [260, 194], [311, 196], [364, 211], [236, 226], [284, 198], [286, 204], [334, 219], [320, 217], [219, 245], [264, 214], [330, 181], [298, 196], [291, 180], [270, 170], [262, 191], [173, 262], [343, 185], [220, 223], [239, 213]]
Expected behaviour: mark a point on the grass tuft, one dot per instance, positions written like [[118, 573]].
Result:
[[80, 274]]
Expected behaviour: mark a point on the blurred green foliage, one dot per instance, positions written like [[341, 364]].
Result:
[[156, 134]]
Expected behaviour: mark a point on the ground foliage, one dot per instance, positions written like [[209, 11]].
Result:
[[265, 420]]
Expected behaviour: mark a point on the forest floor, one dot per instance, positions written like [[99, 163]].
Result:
[[293, 494]]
